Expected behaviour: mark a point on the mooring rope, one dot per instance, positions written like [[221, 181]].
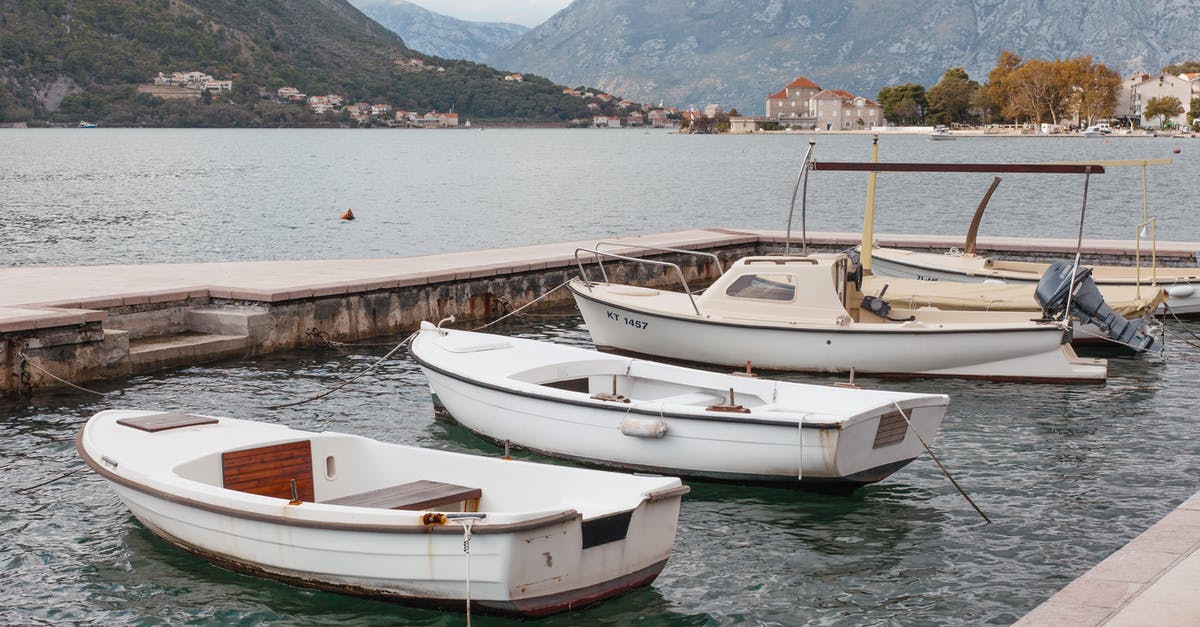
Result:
[[522, 307], [347, 381], [939, 462], [317, 333], [44, 483], [466, 525], [26, 360]]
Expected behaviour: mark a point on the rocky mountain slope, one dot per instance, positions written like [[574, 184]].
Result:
[[440, 35], [736, 52], [66, 61]]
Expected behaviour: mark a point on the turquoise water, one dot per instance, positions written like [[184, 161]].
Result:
[[1068, 474]]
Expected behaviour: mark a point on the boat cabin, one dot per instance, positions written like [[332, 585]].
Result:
[[814, 288]]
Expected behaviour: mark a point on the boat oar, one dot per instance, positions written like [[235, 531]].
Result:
[[939, 462]]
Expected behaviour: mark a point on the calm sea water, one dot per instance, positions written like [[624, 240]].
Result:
[[93, 196], [1068, 473]]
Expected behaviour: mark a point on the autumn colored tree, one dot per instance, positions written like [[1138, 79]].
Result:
[[1000, 87], [950, 99], [1094, 88], [1163, 107]]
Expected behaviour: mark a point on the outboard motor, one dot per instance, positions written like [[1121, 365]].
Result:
[[880, 307], [1087, 305]]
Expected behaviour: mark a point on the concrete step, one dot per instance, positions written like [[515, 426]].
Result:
[[252, 321], [184, 349]]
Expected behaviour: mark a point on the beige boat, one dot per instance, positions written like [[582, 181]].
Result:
[[1144, 283], [1130, 302]]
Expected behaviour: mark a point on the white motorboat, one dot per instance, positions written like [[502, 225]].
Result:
[[349, 514], [803, 313], [941, 133], [1182, 285], [578, 404]]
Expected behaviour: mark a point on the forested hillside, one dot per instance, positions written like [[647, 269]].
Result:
[[67, 60]]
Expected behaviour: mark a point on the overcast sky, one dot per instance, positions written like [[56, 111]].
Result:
[[527, 12]]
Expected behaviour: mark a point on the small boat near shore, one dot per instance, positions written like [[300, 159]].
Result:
[[941, 133], [582, 405], [806, 313], [348, 514]]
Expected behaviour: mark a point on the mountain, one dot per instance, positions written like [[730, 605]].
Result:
[[66, 60], [736, 52], [440, 35]]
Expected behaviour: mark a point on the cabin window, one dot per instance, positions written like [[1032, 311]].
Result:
[[330, 468], [777, 287]]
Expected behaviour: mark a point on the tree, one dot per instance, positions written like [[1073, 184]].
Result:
[[1186, 67], [1094, 88], [1194, 112], [1000, 86], [950, 99], [983, 107], [1040, 89], [903, 104], [1163, 107]]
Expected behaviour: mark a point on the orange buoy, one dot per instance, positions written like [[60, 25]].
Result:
[[348, 215], [1176, 151]]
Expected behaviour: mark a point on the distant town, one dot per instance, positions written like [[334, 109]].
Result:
[[198, 85], [1165, 100]]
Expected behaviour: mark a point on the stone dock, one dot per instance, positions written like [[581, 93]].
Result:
[[88, 323], [81, 324]]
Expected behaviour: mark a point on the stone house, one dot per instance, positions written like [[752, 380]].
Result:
[[793, 100], [838, 109], [803, 103]]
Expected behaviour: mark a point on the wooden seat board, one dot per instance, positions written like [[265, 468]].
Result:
[[269, 470], [421, 494], [154, 423]]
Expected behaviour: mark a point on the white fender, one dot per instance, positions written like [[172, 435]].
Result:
[[1180, 291], [643, 427]]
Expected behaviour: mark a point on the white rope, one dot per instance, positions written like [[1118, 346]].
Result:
[[25, 359], [526, 305], [466, 525]]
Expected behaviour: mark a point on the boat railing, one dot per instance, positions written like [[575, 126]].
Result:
[[667, 249], [654, 262]]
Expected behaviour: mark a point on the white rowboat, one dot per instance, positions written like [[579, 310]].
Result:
[[578, 404], [348, 514]]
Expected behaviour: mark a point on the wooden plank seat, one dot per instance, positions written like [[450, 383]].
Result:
[[417, 495], [154, 423], [270, 470]]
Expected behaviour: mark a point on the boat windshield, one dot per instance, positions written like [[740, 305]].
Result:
[[776, 287]]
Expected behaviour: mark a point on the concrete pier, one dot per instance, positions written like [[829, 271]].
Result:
[[82, 324]]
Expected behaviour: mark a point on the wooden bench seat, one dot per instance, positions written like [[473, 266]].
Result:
[[418, 495]]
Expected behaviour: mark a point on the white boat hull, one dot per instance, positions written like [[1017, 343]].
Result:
[[1017, 352], [753, 447], [392, 554]]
